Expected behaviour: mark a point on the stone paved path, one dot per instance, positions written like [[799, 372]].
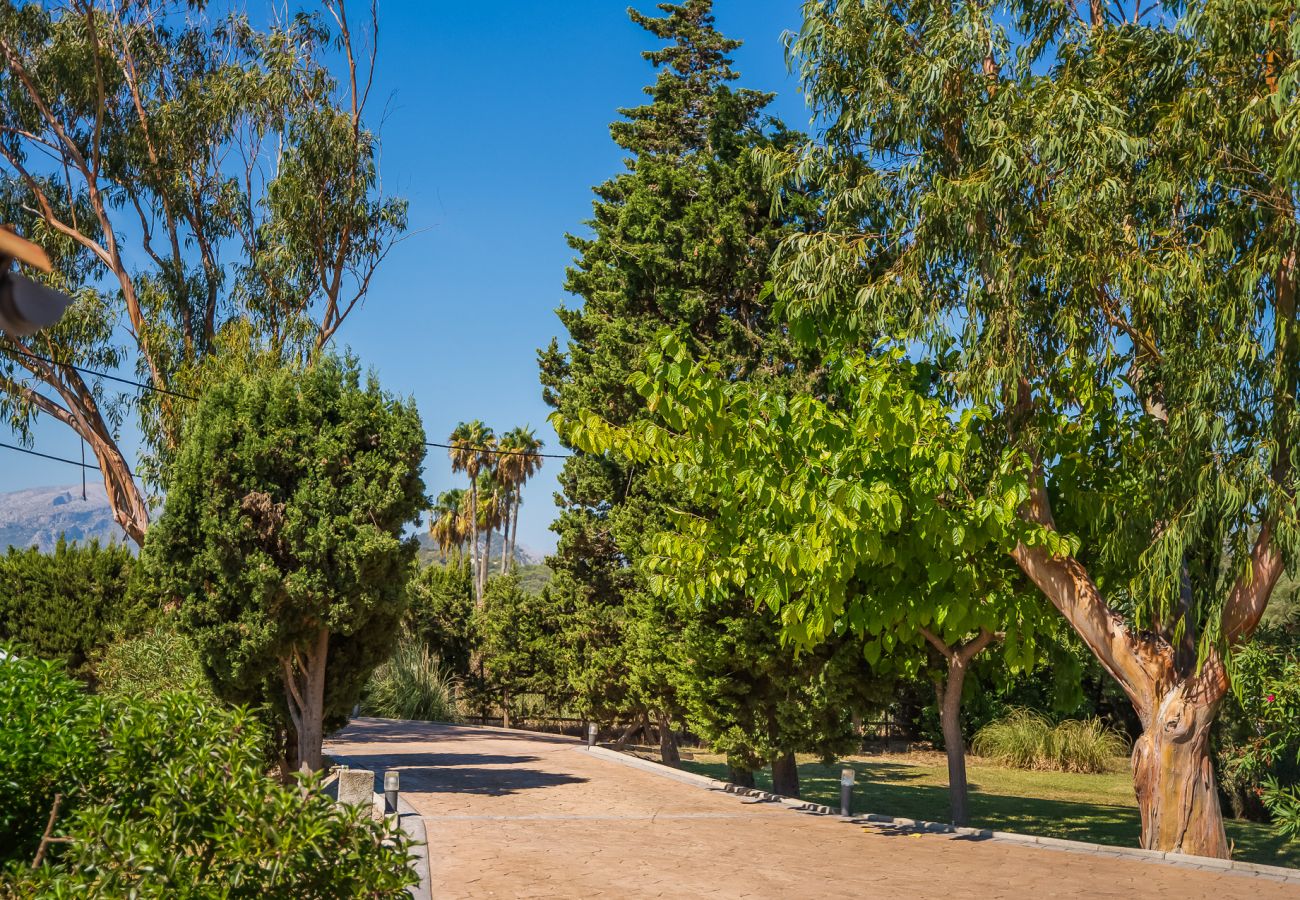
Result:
[[521, 815]]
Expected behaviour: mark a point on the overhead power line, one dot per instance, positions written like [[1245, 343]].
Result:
[[499, 451], [144, 386], [96, 374], [62, 459]]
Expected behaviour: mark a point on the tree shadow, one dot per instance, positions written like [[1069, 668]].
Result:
[[491, 775]]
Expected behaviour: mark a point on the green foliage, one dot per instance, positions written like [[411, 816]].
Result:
[[1259, 741], [168, 797], [849, 514], [682, 238], [68, 604], [1026, 739], [440, 613], [123, 122], [158, 660], [518, 631], [283, 537], [1058, 198], [413, 684], [48, 742]]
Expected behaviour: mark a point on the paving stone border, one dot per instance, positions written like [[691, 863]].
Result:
[[895, 823]]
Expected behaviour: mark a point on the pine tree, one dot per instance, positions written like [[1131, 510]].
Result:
[[682, 240]]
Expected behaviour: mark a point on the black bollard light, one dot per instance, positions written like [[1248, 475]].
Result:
[[846, 791], [392, 784], [591, 734]]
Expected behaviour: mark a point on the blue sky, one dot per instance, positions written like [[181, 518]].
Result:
[[495, 121]]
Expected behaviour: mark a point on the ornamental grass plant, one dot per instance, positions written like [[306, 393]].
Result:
[[1026, 739]]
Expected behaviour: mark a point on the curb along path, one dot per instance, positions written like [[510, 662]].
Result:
[[516, 814]]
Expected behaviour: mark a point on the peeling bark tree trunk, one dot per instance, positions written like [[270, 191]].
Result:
[[948, 695], [1172, 773], [1173, 777], [304, 682], [785, 775], [668, 751]]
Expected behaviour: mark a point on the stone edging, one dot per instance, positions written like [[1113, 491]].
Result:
[[412, 823], [1206, 863]]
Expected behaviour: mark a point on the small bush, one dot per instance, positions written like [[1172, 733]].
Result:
[[413, 685], [47, 745], [168, 797], [1025, 739], [154, 662], [68, 604]]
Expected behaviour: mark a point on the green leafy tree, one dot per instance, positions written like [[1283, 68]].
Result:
[[440, 613], [1094, 203], [847, 513], [518, 633], [283, 537], [69, 604], [207, 190], [683, 237]]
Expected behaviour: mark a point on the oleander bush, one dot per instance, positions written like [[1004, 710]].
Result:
[[1026, 739], [169, 797], [413, 684]]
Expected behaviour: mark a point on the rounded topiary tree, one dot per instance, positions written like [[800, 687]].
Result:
[[283, 540]]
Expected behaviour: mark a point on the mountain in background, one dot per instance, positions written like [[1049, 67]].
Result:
[[36, 517], [430, 553]]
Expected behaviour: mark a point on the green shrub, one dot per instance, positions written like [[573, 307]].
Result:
[[170, 799], [1028, 740], [158, 660], [67, 604], [412, 684], [47, 744]]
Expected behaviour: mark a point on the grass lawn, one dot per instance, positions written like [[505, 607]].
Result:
[[1096, 808]]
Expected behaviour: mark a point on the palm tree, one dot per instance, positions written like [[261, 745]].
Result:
[[519, 460], [491, 504], [448, 524], [472, 444]]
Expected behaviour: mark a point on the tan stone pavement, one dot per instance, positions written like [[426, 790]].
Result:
[[522, 815]]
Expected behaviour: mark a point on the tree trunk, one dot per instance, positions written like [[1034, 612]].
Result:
[[505, 707], [954, 743], [785, 775], [514, 529], [505, 535], [304, 680], [627, 733], [740, 777], [487, 560], [1173, 777], [948, 695], [473, 539], [668, 752]]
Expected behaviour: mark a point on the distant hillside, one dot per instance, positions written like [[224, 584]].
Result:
[[429, 552], [36, 517]]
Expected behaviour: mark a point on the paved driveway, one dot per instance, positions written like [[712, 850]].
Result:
[[511, 814]]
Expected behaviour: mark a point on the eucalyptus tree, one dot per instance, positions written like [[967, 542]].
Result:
[[207, 190], [1094, 205], [472, 444]]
